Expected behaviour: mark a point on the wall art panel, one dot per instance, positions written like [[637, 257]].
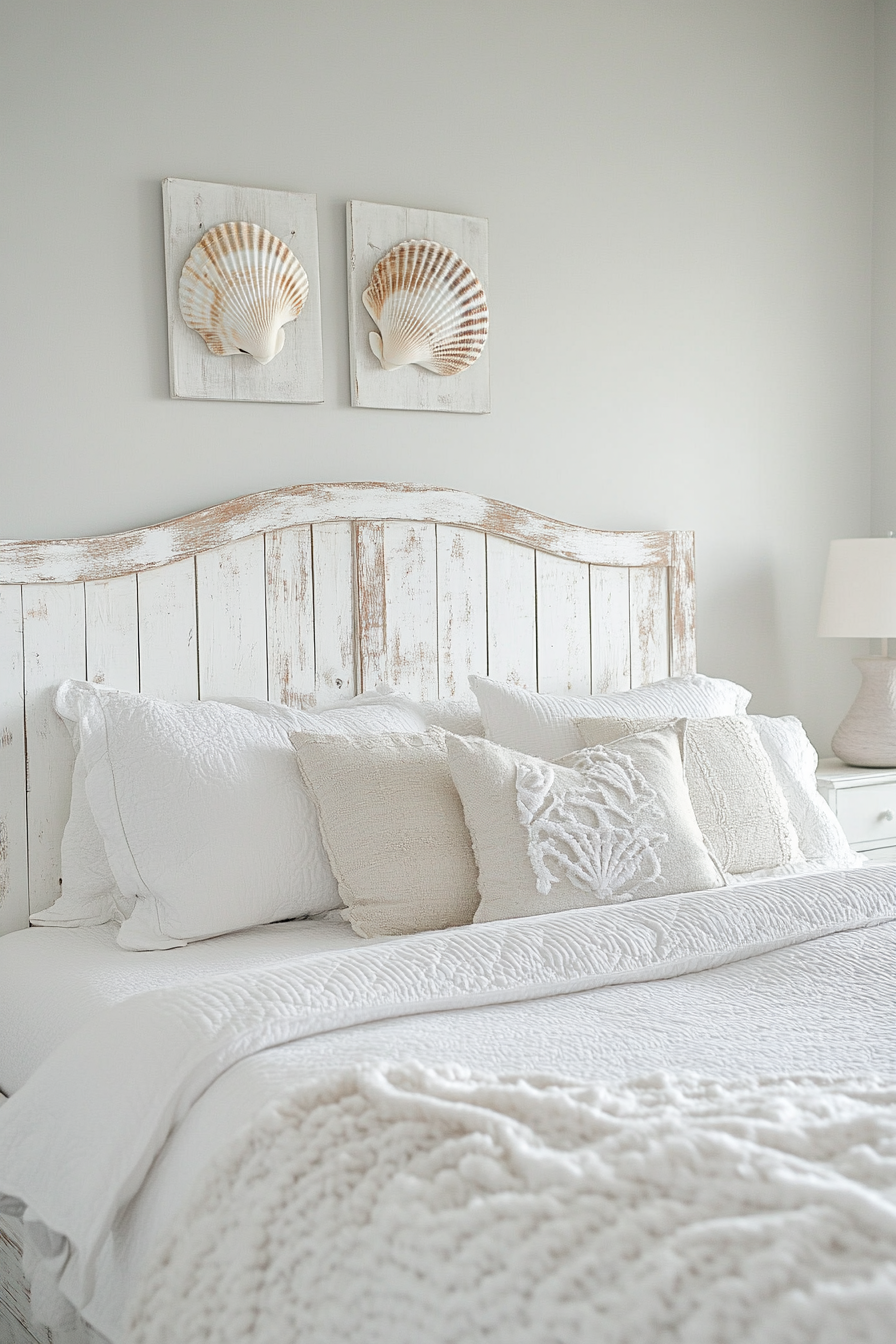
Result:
[[418, 309], [243, 284]]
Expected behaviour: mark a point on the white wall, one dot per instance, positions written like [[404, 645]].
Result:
[[679, 195], [883, 511]]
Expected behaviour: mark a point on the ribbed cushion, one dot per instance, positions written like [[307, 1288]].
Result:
[[736, 798]]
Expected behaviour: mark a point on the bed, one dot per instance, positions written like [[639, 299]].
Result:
[[728, 1042]]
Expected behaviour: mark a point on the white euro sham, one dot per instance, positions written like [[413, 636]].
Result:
[[543, 725], [203, 817], [90, 892]]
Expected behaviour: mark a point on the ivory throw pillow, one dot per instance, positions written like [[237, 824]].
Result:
[[90, 893], [600, 826], [542, 725], [736, 798], [394, 829]]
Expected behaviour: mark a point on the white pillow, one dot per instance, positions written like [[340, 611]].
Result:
[[739, 805], [394, 829], [603, 825], [460, 716], [90, 894], [354, 718], [542, 725], [204, 821], [794, 761]]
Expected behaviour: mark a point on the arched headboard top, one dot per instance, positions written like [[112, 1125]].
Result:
[[79, 559]]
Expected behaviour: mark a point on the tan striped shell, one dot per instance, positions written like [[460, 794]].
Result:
[[239, 287], [429, 306]]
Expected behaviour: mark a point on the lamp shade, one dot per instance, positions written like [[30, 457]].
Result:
[[859, 599]]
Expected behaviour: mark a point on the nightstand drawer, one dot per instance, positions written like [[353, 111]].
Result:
[[880, 854], [867, 813]]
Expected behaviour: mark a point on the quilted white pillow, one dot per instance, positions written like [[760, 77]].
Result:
[[89, 891], [794, 761], [543, 725], [460, 716], [202, 814], [600, 826], [90, 894], [355, 718]]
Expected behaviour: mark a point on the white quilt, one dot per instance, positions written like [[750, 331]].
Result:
[[409, 1205], [78, 1139]]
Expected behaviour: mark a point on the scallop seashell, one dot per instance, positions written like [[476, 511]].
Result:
[[429, 306], [239, 287]]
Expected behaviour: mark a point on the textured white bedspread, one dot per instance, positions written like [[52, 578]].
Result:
[[53, 980], [78, 1139]]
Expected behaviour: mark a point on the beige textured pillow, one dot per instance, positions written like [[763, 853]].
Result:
[[599, 826], [737, 800], [393, 828]]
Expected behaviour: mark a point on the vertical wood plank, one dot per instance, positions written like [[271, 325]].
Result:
[[563, 601], [112, 641], [611, 664], [166, 603], [511, 612], [15, 1298], [333, 560], [230, 609], [682, 606], [290, 616], [412, 665], [463, 629], [369, 542], [54, 644], [17, 1325], [13, 814], [649, 617]]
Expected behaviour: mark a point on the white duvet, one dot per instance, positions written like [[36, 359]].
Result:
[[77, 1141]]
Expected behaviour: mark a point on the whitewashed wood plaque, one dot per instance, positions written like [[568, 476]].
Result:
[[296, 373], [371, 231]]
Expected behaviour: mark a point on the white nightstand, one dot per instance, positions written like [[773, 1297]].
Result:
[[864, 800]]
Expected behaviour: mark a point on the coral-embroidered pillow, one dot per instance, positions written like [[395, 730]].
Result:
[[600, 826]]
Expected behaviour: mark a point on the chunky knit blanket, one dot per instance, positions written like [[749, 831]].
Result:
[[399, 1205]]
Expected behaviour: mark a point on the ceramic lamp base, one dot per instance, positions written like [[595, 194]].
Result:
[[867, 736]]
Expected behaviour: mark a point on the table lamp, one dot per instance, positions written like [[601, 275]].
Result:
[[859, 602]]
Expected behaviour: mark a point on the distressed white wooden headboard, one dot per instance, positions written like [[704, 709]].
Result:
[[306, 596]]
